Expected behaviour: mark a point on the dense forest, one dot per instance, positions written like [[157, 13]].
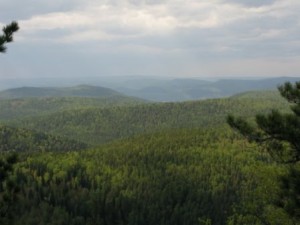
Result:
[[96, 124], [11, 109], [24, 140], [179, 177], [137, 162]]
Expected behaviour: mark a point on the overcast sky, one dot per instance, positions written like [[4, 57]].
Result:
[[183, 38]]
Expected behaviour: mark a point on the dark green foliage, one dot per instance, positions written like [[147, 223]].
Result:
[[279, 133], [290, 194], [291, 92], [6, 167], [244, 127], [24, 140], [7, 35], [8, 187]]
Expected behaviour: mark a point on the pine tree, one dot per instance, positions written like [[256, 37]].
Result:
[[279, 133], [7, 35], [8, 188]]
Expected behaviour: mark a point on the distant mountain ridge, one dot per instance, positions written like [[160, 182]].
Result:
[[153, 89], [193, 89], [76, 91]]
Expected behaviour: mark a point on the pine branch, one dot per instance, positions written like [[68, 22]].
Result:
[[7, 36]]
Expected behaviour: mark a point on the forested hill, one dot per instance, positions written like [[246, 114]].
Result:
[[100, 125], [77, 91], [169, 178], [24, 140], [26, 107]]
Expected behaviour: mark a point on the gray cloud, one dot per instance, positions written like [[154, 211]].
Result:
[[153, 37], [18, 10], [252, 3]]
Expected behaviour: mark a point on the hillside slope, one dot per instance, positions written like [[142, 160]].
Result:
[[24, 140], [169, 178], [99, 125], [263, 94], [26, 107]]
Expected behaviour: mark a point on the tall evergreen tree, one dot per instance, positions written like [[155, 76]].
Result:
[[8, 188], [7, 35], [280, 134]]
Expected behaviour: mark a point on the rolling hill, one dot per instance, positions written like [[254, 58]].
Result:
[[163, 163], [161, 89], [77, 91], [96, 125], [26, 107]]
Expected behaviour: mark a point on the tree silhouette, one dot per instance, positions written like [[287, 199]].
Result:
[[7, 35]]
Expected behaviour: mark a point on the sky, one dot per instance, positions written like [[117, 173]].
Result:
[[178, 38]]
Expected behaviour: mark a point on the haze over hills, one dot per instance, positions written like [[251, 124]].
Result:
[[150, 88], [192, 89]]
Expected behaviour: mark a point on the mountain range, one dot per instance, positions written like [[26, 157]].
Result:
[[153, 89], [193, 89]]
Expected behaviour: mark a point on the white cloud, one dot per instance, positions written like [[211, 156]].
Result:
[[207, 27], [109, 20], [56, 21], [117, 19]]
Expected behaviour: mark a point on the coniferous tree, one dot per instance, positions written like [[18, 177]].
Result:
[[7, 35], [280, 134], [8, 188]]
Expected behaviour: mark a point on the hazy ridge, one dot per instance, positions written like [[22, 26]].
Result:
[[153, 89]]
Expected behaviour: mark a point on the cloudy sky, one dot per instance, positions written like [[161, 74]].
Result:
[[183, 38]]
